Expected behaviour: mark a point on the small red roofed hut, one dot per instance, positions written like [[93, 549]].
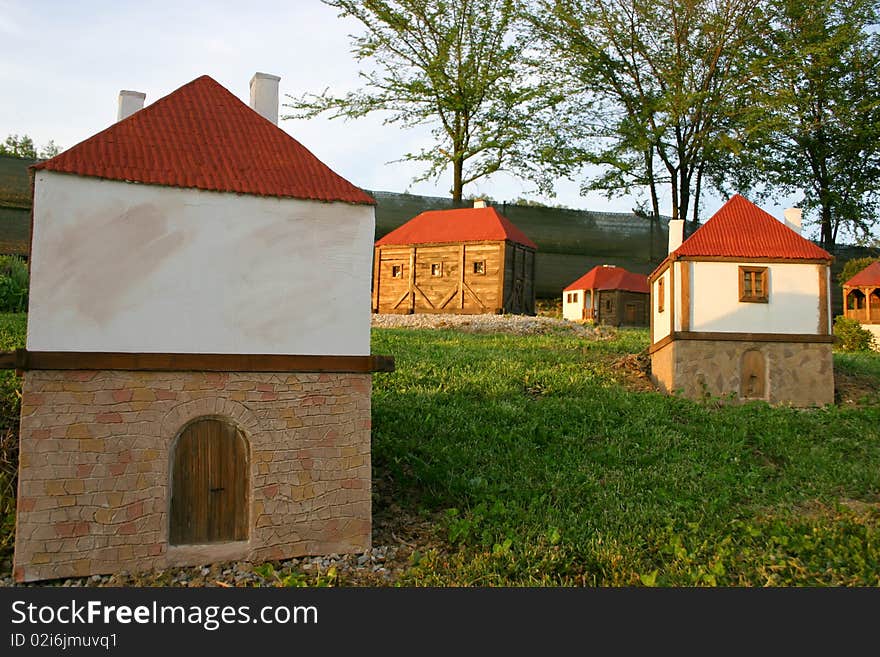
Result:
[[741, 309], [608, 295], [465, 261], [861, 300]]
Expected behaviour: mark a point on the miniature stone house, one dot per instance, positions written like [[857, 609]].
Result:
[[741, 309], [465, 261], [197, 375], [608, 295], [861, 300]]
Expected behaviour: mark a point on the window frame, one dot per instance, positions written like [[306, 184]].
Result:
[[481, 264], [396, 271], [439, 269], [759, 274]]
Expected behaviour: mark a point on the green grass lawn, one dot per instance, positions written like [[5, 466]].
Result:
[[547, 460], [548, 468]]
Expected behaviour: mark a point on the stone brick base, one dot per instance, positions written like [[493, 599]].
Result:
[[798, 374], [93, 492]]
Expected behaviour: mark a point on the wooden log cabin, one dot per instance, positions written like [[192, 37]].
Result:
[[464, 261]]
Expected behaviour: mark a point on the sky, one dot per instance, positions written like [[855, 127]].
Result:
[[63, 63]]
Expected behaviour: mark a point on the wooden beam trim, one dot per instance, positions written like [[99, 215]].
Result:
[[78, 360], [660, 344], [823, 300], [685, 296], [752, 337]]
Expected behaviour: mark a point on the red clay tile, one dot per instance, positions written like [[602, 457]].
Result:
[[461, 225], [741, 229], [610, 278], [202, 136], [869, 276]]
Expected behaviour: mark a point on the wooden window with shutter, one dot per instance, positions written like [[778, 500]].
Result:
[[753, 285]]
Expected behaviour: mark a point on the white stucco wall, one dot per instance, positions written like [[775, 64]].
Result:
[[140, 268], [573, 311], [874, 329], [661, 320], [793, 299]]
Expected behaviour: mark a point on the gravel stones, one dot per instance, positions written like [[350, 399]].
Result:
[[490, 323]]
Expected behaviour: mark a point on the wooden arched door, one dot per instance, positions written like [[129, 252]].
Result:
[[209, 492]]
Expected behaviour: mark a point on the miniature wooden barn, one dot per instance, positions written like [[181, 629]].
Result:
[[188, 397], [741, 309], [608, 295], [470, 260], [861, 300]]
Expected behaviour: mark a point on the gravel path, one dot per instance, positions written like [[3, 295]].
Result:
[[517, 324]]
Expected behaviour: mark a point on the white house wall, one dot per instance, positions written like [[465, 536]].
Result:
[[573, 311], [715, 306], [140, 268], [661, 322]]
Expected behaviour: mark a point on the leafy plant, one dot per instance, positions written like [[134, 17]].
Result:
[[850, 336], [13, 284]]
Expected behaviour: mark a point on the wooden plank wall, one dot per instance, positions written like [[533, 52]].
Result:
[[458, 289]]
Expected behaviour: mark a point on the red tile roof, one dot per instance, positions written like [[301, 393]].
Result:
[[741, 229], [202, 136], [604, 277], [462, 225], [869, 276]]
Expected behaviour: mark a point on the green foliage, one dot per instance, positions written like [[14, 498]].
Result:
[[13, 284], [850, 336], [651, 112], [12, 336], [287, 578], [24, 147], [454, 65], [853, 267], [545, 468], [813, 115]]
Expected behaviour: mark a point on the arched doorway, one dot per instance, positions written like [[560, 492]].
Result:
[[209, 484]]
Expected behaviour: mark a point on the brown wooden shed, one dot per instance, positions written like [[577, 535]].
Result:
[[465, 261]]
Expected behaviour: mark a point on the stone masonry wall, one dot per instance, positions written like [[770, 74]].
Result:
[[799, 374], [94, 474]]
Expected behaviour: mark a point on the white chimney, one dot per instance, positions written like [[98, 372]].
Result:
[[793, 219], [479, 203], [264, 95], [676, 234], [129, 103]]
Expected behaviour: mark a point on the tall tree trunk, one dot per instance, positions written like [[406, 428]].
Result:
[[457, 166], [655, 202], [827, 232], [697, 191]]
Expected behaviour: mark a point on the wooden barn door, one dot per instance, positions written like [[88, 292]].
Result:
[[209, 484]]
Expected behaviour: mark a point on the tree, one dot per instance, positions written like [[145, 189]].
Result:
[[654, 80], [19, 147], [454, 65], [24, 147], [853, 267], [814, 112]]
